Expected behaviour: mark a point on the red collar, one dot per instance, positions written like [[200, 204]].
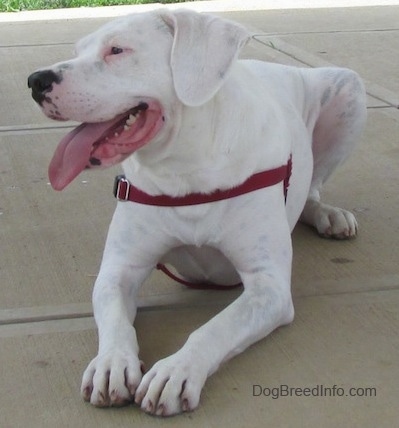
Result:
[[125, 191]]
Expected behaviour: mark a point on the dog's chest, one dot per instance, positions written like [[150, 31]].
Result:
[[196, 225]]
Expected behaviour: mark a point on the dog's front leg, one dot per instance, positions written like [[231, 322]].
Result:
[[112, 377], [174, 384]]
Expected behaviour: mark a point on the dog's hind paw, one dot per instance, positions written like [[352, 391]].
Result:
[[111, 379], [330, 222]]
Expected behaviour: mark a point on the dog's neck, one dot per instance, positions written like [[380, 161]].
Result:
[[202, 153]]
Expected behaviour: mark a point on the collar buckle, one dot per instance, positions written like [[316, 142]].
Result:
[[121, 188]]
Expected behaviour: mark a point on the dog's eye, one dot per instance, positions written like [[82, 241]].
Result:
[[116, 51]]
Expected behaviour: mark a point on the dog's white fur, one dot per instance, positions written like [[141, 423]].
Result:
[[225, 119]]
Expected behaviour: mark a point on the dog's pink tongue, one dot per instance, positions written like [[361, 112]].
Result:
[[73, 153]]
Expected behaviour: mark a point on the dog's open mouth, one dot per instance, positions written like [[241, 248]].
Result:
[[105, 143]]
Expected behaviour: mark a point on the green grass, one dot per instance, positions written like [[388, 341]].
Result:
[[18, 5]]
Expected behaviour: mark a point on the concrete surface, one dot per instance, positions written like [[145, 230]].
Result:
[[346, 293]]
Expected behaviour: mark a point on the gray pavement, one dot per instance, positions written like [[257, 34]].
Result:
[[346, 331]]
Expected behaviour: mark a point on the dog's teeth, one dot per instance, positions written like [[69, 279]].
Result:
[[126, 128], [116, 134], [131, 120]]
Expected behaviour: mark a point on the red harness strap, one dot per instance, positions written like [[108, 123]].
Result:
[[125, 191], [195, 285]]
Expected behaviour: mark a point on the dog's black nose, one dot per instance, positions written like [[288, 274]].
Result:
[[41, 82]]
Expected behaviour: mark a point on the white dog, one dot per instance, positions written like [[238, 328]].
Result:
[[165, 93]]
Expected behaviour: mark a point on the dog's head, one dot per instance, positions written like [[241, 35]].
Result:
[[127, 82]]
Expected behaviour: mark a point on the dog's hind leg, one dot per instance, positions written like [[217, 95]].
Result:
[[341, 120]]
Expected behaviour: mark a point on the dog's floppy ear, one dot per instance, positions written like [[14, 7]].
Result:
[[204, 49]]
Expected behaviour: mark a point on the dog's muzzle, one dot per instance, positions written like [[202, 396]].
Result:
[[41, 83]]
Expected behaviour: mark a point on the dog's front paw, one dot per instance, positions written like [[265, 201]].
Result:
[[111, 379], [172, 386], [330, 222]]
